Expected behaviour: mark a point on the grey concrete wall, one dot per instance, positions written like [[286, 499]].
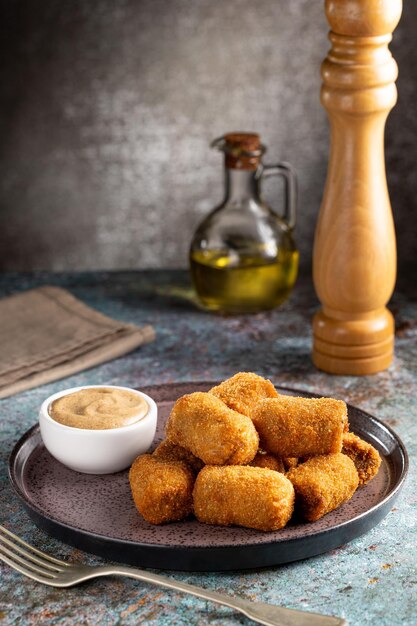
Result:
[[107, 109]]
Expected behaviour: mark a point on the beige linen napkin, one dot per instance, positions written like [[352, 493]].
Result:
[[47, 334]]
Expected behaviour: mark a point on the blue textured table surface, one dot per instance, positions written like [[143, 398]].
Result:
[[372, 580]]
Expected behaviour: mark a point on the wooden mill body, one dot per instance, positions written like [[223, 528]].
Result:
[[354, 260]]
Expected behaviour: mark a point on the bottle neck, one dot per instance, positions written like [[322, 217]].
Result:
[[241, 185]]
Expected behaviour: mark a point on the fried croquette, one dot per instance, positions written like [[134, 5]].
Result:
[[217, 435], [293, 427], [172, 452], [270, 461], [323, 483], [161, 489], [253, 497], [364, 456], [243, 391]]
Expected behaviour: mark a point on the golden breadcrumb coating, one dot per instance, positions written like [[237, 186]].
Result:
[[217, 435], [290, 462], [294, 427], [243, 391], [364, 456], [253, 497], [270, 461], [172, 452], [161, 489], [323, 483]]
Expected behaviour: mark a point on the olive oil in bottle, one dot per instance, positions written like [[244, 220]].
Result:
[[247, 287], [243, 258]]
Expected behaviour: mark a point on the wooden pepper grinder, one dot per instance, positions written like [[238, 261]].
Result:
[[354, 260]]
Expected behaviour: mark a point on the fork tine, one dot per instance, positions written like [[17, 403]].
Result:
[[25, 563], [28, 555], [12, 537], [26, 572]]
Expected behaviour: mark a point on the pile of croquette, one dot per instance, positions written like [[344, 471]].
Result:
[[242, 454]]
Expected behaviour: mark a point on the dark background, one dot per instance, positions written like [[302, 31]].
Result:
[[107, 109]]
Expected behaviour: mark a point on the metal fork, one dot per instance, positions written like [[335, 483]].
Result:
[[51, 571]]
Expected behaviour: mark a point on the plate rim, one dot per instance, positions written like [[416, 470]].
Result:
[[49, 520]]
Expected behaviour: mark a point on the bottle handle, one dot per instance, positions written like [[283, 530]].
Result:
[[287, 171]]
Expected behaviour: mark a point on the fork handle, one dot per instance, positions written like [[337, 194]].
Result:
[[260, 612]]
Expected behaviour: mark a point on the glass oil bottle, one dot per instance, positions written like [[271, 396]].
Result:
[[243, 257]]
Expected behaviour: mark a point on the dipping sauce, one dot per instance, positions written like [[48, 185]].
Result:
[[99, 408]]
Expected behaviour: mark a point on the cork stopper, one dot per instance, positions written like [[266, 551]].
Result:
[[243, 151]]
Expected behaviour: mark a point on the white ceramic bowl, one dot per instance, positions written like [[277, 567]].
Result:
[[97, 451]]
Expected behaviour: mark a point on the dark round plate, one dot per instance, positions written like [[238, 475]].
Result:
[[97, 514]]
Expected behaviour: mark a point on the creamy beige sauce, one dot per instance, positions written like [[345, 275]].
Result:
[[99, 408]]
